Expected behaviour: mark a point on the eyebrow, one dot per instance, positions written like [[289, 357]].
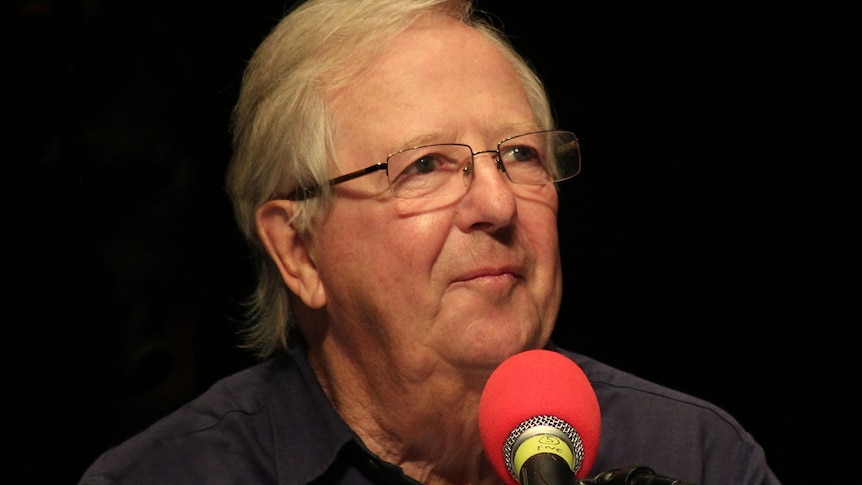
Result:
[[434, 138], [427, 138]]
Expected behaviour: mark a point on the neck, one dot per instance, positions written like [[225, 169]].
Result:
[[424, 421]]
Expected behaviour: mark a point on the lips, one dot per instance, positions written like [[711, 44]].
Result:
[[490, 272]]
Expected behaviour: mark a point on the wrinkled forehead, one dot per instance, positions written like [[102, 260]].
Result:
[[437, 81]]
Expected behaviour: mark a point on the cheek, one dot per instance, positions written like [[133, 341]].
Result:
[[546, 236], [540, 229], [538, 218], [415, 243], [382, 244]]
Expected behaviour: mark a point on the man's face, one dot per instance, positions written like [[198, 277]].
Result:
[[464, 281]]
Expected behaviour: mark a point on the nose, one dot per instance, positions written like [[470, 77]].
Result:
[[490, 200], [495, 157]]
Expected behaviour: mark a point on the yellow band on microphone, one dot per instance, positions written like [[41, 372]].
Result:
[[542, 443]]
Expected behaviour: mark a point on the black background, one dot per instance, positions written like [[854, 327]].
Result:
[[708, 243]]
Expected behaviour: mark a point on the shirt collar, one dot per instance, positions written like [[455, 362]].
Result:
[[310, 437], [307, 430]]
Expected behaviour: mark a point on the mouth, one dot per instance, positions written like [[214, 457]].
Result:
[[490, 275]]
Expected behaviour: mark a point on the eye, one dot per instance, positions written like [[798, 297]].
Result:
[[521, 153], [424, 161], [423, 171], [425, 164]]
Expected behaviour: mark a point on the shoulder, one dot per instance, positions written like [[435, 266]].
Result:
[[672, 432], [185, 441], [617, 390]]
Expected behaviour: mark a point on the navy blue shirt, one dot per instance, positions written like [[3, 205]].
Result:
[[272, 424]]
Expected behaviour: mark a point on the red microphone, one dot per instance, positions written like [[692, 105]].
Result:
[[539, 418]]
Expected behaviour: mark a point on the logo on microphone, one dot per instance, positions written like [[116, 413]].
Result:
[[549, 443], [549, 440]]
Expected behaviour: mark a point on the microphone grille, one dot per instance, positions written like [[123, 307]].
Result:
[[560, 428]]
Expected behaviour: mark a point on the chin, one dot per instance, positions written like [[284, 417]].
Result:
[[487, 354]]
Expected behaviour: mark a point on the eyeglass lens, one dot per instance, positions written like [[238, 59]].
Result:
[[532, 159]]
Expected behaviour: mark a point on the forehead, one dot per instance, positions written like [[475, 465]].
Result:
[[438, 81]]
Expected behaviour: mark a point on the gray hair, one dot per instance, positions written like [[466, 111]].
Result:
[[282, 130]]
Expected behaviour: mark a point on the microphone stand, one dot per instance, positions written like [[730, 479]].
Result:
[[633, 475], [546, 469]]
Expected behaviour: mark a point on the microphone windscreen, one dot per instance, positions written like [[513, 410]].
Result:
[[537, 383]]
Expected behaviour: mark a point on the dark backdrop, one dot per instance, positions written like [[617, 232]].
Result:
[[708, 243]]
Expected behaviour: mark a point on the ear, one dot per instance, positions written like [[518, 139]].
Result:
[[289, 251]]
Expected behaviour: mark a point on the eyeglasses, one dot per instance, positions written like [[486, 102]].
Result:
[[536, 158]]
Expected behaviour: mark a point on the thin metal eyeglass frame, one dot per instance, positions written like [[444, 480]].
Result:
[[303, 193]]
